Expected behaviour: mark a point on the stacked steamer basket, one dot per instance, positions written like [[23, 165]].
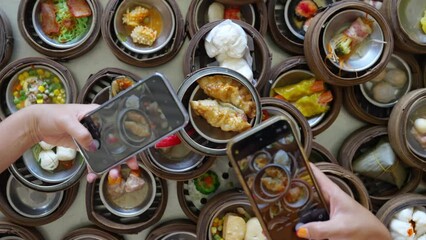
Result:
[[91, 232], [320, 153], [405, 19], [168, 23], [405, 128], [55, 43], [201, 12], [367, 153], [326, 50], [405, 216], [288, 30], [13, 231], [193, 199], [101, 209], [361, 101], [294, 71], [55, 190], [6, 39], [175, 229]]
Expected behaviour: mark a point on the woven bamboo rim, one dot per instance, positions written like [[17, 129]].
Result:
[[388, 210], [301, 122], [263, 56], [14, 230], [92, 232], [397, 130], [101, 217], [6, 39], [233, 196], [324, 152], [8, 71], [358, 189], [299, 62], [358, 106], [142, 60], [261, 23], [177, 225], [26, 28], [69, 196], [279, 33], [402, 40], [362, 136], [100, 80], [176, 176], [315, 55]]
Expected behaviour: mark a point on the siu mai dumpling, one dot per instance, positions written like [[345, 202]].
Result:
[[115, 186], [222, 115], [234, 227], [228, 90], [134, 181]]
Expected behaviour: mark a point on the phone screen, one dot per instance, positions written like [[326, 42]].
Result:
[[133, 121], [277, 179]]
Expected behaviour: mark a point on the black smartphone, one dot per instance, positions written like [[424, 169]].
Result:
[[133, 121], [274, 172]]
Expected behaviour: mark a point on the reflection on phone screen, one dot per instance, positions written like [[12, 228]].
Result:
[[277, 179]]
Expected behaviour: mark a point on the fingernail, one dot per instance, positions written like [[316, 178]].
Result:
[[93, 146], [91, 177], [302, 232]]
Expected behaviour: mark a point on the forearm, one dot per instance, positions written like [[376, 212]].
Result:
[[16, 136]]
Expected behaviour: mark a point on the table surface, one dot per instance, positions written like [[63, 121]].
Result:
[[101, 57]]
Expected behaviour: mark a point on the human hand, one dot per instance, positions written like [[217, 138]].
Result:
[[348, 219]]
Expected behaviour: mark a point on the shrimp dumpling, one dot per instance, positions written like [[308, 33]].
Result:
[[396, 77], [384, 92], [65, 154]]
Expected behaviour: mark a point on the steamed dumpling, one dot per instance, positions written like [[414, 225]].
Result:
[[254, 230], [48, 160], [234, 227], [396, 77], [405, 214], [384, 92], [65, 154], [379, 77], [216, 12], [46, 146], [402, 228]]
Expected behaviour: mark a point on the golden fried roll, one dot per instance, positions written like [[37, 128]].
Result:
[[140, 130], [228, 90], [222, 115]]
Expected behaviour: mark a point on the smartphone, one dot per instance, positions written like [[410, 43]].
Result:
[[132, 121], [274, 173]]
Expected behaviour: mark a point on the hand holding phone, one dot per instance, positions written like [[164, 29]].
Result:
[[132, 121], [277, 178]]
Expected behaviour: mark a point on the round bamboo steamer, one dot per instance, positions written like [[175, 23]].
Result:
[[315, 55], [348, 151], [196, 57], [173, 226], [142, 60], [26, 27], [6, 40], [321, 154], [8, 229], [391, 207], [300, 63], [397, 128], [91, 232], [402, 39], [359, 107], [356, 186], [260, 11]]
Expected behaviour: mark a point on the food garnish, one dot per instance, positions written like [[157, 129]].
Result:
[[423, 22], [207, 183], [232, 13], [306, 9]]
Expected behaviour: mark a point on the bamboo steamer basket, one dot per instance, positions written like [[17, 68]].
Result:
[[160, 57], [393, 206], [91, 232], [12, 230], [6, 40], [68, 198], [27, 29], [397, 128], [178, 226], [316, 57], [403, 41], [196, 57], [321, 154], [300, 63], [103, 218], [347, 181], [379, 191], [278, 106], [359, 107], [198, 9]]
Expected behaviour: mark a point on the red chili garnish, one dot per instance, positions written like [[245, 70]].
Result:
[[171, 140], [232, 13], [208, 181]]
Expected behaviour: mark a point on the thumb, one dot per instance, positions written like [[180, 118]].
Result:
[[76, 130], [317, 230]]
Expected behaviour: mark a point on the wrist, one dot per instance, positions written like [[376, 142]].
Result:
[[32, 124]]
